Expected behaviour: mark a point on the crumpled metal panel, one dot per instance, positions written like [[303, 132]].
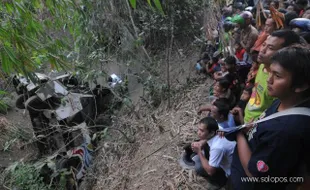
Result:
[[51, 88], [71, 105]]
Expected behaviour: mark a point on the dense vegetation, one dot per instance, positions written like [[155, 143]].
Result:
[[80, 35]]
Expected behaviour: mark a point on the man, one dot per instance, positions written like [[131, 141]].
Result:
[[220, 112], [275, 151], [260, 100], [248, 34], [270, 26], [211, 164]]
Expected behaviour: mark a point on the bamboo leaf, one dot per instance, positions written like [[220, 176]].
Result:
[[133, 3], [149, 2], [5, 62], [158, 6]]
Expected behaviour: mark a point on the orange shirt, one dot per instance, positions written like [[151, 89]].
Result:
[[260, 40]]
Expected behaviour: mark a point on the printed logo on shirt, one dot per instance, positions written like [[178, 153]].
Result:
[[255, 100], [251, 133], [262, 166]]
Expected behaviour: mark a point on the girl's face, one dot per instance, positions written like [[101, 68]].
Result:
[[218, 89], [223, 66]]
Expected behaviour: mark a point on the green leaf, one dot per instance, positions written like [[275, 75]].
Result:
[[133, 3], [149, 2], [2, 92], [158, 6]]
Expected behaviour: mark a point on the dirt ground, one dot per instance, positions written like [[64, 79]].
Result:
[[152, 161], [15, 130]]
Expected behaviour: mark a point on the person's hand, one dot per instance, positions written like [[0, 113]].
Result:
[[249, 126], [199, 112], [196, 146], [236, 111]]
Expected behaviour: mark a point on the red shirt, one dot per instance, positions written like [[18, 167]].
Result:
[[239, 54]]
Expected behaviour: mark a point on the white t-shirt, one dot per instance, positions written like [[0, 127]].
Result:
[[221, 151]]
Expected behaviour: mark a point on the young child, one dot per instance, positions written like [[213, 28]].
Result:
[[213, 66], [224, 71], [239, 51]]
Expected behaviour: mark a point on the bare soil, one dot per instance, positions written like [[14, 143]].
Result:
[[160, 133], [15, 130]]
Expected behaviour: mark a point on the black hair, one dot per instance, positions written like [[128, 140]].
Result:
[[296, 60], [249, 89], [230, 60], [302, 2], [276, 3], [290, 37], [215, 59], [295, 7], [288, 17], [210, 124], [306, 36], [262, 17], [224, 83], [281, 10], [222, 105]]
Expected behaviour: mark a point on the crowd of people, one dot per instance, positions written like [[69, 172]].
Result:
[[260, 68]]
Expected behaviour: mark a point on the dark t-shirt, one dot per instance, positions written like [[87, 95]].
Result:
[[279, 146]]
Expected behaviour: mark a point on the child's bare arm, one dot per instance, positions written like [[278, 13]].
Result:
[[204, 108]]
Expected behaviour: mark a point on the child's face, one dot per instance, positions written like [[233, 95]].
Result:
[[218, 89], [279, 83], [237, 47], [223, 66], [245, 96], [202, 131], [214, 113]]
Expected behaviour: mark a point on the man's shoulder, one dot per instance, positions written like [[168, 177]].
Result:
[[222, 143], [254, 31]]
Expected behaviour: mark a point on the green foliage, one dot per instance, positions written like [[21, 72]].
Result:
[[133, 3], [3, 104], [35, 32], [25, 177]]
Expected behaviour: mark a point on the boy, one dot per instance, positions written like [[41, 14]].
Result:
[[212, 154], [278, 147]]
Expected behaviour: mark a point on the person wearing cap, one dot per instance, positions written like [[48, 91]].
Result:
[[276, 149], [249, 33]]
